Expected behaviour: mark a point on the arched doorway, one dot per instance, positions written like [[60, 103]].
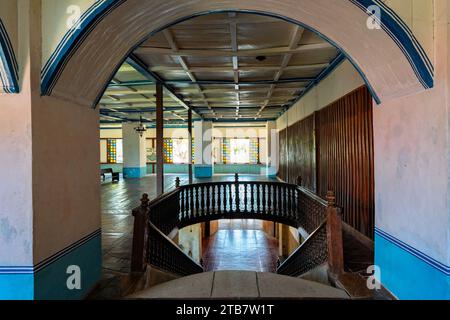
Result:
[[110, 30]]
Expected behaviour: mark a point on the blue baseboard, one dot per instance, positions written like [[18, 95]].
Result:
[[134, 173], [15, 285], [408, 273], [48, 279], [203, 171]]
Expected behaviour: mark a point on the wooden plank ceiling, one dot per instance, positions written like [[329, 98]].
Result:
[[225, 66]]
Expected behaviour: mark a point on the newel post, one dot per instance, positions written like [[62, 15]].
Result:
[[334, 236], [177, 183], [299, 181], [140, 236]]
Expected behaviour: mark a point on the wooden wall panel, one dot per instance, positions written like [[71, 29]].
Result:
[[301, 153], [283, 159], [342, 134]]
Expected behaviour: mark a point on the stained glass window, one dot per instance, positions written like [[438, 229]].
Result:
[[114, 149], [226, 151], [168, 150], [254, 151], [193, 151]]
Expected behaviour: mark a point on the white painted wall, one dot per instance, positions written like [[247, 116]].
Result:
[[57, 16], [412, 158], [344, 79], [419, 17], [134, 147], [16, 193]]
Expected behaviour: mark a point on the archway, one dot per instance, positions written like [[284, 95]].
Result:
[[8, 65], [389, 58]]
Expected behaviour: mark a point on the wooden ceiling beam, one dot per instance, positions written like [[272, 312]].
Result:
[[297, 35], [204, 69], [169, 37], [241, 53], [143, 69]]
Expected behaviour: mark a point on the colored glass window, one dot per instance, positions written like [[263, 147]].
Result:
[[168, 150], [254, 151]]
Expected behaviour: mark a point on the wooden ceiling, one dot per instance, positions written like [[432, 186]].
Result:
[[225, 66]]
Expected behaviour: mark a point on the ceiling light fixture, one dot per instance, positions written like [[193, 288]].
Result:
[[141, 129]]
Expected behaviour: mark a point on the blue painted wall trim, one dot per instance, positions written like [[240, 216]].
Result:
[[134, 173], [402, 35], [391, 24], [47, 280], [72, 40], [409, 273], [9, 73], [15, 284], [203, 171]]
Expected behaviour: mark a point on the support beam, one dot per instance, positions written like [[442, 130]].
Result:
[[215, 82], [159, 140], [242, 53], [191, 172], [206, 69], [293, 44], [143, 69], [182, 62]]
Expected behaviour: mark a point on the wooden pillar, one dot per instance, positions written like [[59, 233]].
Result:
[[191, 174], [140, 232], [159, 140], [334, 236]]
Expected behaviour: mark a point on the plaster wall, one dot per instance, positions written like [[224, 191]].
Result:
[[16, 196], [190, 240], [57, 17], [134, 148], [411, 158], [344, 79]]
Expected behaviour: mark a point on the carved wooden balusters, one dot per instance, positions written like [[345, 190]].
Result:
[[324, 245], [165, 254], [274, 201]]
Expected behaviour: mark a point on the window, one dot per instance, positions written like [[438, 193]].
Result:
[[240, 151], [180, 151], [254, 151], [168, 151], [114, 151]]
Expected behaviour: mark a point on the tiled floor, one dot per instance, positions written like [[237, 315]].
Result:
[[248, 249]]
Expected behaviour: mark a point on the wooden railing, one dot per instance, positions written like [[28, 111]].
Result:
[[165, 254], [274, 201], [324, 245]]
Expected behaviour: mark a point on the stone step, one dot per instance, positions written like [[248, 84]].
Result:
[[240, 285]]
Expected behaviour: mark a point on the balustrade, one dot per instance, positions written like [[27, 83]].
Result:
[[275, 201]]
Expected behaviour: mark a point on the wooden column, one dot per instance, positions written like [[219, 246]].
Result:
[[140, 234], [334, 236], [159, 140], [191, 175]]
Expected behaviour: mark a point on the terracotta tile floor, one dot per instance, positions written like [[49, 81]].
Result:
[[240, 245], [250, 249]]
